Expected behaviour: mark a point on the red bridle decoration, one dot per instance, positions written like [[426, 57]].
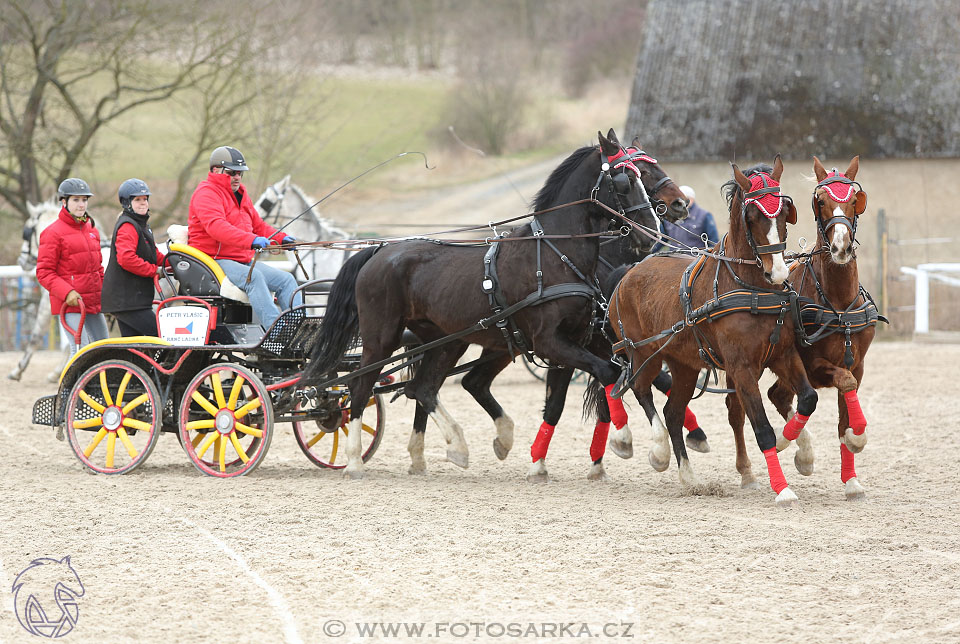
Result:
[[770, 203], [839, 191], [628, 157]]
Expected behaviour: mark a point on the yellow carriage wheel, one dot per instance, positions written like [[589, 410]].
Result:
[[325, 446], [226, 420], [113, 417]]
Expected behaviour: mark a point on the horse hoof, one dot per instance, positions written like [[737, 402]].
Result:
[[537, 472], [13, 375], [804, 466], [749, 485], [657, 464], [621, 442], [597, 473], [353, 473], [787, 499], [855, 443], [417, 470], [499, 449], [697, 441], [782, 441], [854, 490], [460, 459]]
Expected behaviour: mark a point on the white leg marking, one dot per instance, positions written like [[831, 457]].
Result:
[[537, 472], [503, 442], [418, 465], [659, 455], [841, 240], [621, 441], [687, 477], [597, 473], [779, 271], [457, 452], [354, 468], [787, 498], [803, 459], [854, 491]]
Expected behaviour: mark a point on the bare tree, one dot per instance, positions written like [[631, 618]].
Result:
[[69, 67]]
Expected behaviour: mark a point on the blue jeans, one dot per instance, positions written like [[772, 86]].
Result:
[[94, 328], [265, 281]]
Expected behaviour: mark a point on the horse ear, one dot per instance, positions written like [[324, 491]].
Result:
[[791, 213], [853, 168], [636, 143], [819, 170], [861, 204], [777, 169], [740, 178], [609, 146], [613, 137]]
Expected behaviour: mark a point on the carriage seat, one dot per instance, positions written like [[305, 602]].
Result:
[[197, 273]]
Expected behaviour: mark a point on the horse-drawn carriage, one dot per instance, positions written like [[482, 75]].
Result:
[[214, 378]]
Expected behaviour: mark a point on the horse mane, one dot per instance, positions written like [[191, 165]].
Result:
[[550, 192], [731, 189], [322, 221]]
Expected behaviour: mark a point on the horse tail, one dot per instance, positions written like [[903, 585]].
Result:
[[594, 399], [340, 326]]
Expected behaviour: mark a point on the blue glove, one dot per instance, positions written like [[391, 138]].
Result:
[[260, 243], [289, 239]]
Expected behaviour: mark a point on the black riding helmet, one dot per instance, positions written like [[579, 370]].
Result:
[[73, 187], [132, 188], [229, 158]]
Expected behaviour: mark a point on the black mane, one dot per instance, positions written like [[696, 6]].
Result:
[[550, 192]]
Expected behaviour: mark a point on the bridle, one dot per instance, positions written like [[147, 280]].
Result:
[[27, 259], [835, 177], [768, 187], [270, 204]]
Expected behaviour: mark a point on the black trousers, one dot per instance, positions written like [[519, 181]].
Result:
[[138, 322]]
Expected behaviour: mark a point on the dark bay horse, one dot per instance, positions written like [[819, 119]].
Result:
[[839, 320], [438, 289], [733, 321]]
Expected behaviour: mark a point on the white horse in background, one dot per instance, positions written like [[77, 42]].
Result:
[[284, 205], [41, 216]]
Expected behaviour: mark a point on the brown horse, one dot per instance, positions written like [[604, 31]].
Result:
[[733, 321], [839, 320]]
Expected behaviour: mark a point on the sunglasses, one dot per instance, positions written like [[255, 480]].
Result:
[[233, 173]]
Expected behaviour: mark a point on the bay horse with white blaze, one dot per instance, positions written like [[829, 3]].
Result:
[[838, 318], [733, 322], [542, 296]]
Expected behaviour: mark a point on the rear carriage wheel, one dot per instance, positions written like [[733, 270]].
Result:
[[324, 443], [113, 417], [226, 420]]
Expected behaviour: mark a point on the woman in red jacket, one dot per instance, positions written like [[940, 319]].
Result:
[[69, 264], [128, 287]]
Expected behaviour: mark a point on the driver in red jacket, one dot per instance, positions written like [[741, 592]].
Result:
[[224, 224], [69, 263]]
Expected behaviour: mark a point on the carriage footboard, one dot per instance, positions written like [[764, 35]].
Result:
[[44, 411]]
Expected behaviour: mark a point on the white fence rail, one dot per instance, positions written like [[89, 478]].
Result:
[[923, 273]]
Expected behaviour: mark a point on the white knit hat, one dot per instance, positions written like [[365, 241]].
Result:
[[688, 192]]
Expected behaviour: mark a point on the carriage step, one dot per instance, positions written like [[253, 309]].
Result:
[[44, 411]]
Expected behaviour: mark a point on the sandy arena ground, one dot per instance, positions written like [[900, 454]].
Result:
[[293, 553]]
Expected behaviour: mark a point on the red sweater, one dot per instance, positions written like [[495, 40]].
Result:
[[221, 227], [69, 259], [127, 240]]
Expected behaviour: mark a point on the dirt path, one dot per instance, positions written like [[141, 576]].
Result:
[[167, 555]]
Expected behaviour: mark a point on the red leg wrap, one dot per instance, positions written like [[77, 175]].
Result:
[[777, 480], [690, 420], [792, 429], [599, 444], [846, 464], [542, 442], [854, 413], [618, 415]]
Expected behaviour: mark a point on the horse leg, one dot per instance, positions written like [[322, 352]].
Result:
[[782, 398], [431, 373], [659, 454], [418, 465], [696, 438], [558, 380], [477, 382], [736, 416], [746, 383], [35, 339], [792, 375], [599, 442], [848, 473], [684, 383]]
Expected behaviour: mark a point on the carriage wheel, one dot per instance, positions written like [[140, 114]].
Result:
[[226, 420], [323, 446], [116, 401]]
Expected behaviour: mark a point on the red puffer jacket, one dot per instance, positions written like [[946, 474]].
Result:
[[69, 259], [221, 227]]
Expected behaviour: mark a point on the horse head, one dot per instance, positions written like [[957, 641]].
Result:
[[763, 215], [268, 204], [41, 215], [838, 199], [669, 201]]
